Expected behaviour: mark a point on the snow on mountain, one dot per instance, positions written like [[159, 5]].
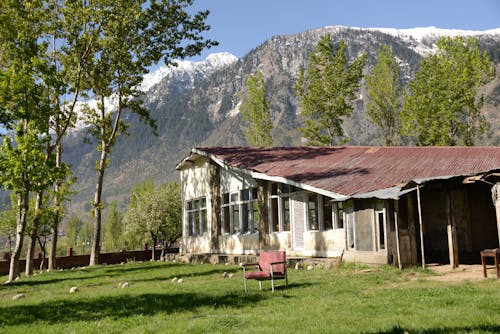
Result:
[[421, 33], [211, 63], [185, 71], [421, 39]]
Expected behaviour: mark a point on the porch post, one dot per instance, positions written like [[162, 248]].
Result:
[[421, 225], [215, 219], [495, 196], [263, 224], [452, 234], [396, 225]]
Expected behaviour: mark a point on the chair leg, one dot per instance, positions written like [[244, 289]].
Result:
[[272, 284], [260, 285], [286, 280], [245, 282]]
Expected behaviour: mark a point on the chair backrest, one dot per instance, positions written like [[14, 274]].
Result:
[[268, 257]]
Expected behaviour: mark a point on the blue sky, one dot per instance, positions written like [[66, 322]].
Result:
[[241, 25]]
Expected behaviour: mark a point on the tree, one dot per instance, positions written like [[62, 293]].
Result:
[[442, 106], [113, 233], [40, 68], [155, 214], [73, 227], [326, 90], [257, 125], [132, 35], [384, 92]]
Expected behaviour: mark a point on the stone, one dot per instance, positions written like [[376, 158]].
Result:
[[73, 289], [310, 267], [19, 296], [125, 285], [231, 275], [224, 275], [180, 280], [174, 279], [297, 266]]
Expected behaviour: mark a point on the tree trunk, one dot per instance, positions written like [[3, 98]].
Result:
[[33, 235], [22, 213], [57, 218], [155, 239], [44, 251], [96, 240]]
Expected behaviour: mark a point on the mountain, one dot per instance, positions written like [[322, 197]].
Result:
[[197, 103]]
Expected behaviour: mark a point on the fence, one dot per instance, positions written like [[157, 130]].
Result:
[[70, 261]]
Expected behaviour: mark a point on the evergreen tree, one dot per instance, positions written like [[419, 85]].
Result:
[[257, 125], [443, 106], [326, 90], [383, 95]]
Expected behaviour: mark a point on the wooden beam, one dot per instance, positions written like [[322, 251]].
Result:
[[452, 234], [396, 206], [421, 225]]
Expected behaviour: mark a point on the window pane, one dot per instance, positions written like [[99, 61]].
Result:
[[225, 198], [327, 213], [256, 215], [245, 195], [286, 214], [340, 214], [255, 193], [204, 221], [203, 202], [274, 189], [245, 220], [226, 222], [236, 218], [312, 212], [234, 197], [274, 215]]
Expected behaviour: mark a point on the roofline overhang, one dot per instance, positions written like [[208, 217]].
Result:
[[386, 193]]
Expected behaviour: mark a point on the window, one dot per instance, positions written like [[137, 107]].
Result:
[[381, 229], [226, 221], [197, 222], [327, 213], [279, 203], [339, 215], [239, 211], [312, 212]]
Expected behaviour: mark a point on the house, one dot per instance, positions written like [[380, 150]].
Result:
[[400, 205]]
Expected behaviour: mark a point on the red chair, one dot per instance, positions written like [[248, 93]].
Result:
[[271, 266]]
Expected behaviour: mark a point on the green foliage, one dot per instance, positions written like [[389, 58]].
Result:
[[383, 95], [443, 106], [128, 37], [257, 125], [114, 231], [326, 90], [73, 227], [154, 213]]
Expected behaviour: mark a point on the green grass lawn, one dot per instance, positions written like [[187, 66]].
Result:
[[346, 300]]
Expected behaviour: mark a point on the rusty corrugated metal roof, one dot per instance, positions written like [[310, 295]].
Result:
[[354, 170]]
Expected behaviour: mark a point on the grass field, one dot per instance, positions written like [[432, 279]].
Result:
[[351, 299]]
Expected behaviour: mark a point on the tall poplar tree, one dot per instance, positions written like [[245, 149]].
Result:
[[257, 125], [383, 96], [132, 35], [442, 106], [326, 89]]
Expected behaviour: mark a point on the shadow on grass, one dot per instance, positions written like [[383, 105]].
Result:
[[442, 330], [117, 307], [122, 271]]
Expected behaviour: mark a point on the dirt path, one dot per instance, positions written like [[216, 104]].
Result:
[[463, 272]]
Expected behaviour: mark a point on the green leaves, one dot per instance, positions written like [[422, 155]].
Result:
[[257, 125], [154, 211], [383, 100], [443, 106], [326, 90]]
